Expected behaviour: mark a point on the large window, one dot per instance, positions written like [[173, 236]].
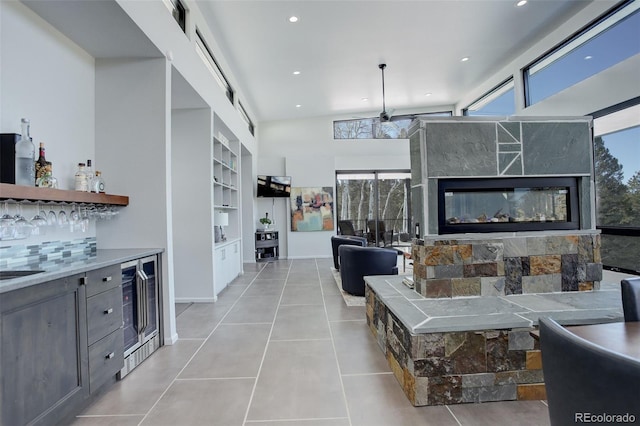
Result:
[[604, 43], [498, 101], [178, 11], [371, 128], [617, 167], [210, 61], [375, 204]]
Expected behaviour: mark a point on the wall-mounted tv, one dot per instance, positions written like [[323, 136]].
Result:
[[274, 186]]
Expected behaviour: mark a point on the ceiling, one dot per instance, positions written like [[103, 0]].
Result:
[[337, 46]]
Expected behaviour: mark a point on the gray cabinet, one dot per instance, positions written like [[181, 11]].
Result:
[[104, 325], [60, 342], [44, 352]]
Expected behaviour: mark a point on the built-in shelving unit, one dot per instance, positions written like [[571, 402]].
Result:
[[225, 174], [19, 193]]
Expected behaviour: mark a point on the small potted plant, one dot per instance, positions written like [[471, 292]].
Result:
[[265, 221]]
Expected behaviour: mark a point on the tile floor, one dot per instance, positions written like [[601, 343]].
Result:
[[280, 348]]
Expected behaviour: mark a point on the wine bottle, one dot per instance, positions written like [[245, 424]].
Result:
[[25, 153], [97, 183], [81, 178], [41, 163], [89, 172]]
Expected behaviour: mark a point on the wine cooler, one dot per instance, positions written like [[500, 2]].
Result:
[[141, 311]]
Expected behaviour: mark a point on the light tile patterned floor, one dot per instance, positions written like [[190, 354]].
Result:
[[280, 348]]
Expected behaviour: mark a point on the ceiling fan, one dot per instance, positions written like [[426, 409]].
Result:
[[384, 115]]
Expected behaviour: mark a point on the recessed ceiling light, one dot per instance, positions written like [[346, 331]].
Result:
[[298, 106], [588, 57], [364, 99], [296, 73], [465, 59], [521, 3], [428, 94], [293, 19]]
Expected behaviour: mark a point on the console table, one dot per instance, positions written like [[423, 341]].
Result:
[[267, 246]]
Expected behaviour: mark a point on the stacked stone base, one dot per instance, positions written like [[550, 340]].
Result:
[[489, 265], [458, 367]]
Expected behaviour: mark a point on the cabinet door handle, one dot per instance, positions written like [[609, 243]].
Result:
[[106, 279], [108, 311], [110, 355]]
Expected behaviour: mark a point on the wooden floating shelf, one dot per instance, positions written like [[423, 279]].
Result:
[[18, 192]]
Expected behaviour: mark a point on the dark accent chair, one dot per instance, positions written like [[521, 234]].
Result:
[[385, 237], [581, 377], [631, 299], [345, 227], [358, 262], [337, 241]]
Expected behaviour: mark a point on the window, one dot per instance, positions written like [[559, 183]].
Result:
[[371, 128], [209, 60], [604, 43], [178, 11], [498, 101], [245, 117], [617, 166], [375, 204]]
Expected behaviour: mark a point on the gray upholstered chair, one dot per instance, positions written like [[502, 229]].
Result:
[[337, 241], [358, 262], [582, 377], [630, 289]]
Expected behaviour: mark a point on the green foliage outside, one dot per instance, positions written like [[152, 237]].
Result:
[[618, 203]]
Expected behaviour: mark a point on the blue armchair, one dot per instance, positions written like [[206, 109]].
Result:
[[337, 241], [357, 262], [631, 299]]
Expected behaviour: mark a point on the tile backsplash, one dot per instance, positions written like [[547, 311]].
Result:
[[47, 254]]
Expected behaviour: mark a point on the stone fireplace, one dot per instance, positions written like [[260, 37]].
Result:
[[507, 206], [505, 201]]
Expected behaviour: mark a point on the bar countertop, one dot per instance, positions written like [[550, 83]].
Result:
[[73, 265]]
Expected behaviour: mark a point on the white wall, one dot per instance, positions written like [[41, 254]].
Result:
[[305, 150], [50, 80]]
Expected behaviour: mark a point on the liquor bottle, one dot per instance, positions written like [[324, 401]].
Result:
[[25, 153], [41, 163], [81, 178], [89, 171], [97, 183]]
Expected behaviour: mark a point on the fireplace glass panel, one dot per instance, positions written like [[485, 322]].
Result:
[[509, 204]]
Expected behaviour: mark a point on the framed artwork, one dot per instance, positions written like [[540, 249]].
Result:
[[312, 209]]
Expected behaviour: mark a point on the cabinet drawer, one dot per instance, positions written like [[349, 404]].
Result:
[[103, 279], [104, 314], [106, 358]]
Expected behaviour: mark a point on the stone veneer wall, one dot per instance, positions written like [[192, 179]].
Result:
[[496, 266], [458, 367]]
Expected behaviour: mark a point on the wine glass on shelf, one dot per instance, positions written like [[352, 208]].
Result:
[[23, 228], [7, 227], [62, 218], [38, 220], [52, 219], [74, 217]]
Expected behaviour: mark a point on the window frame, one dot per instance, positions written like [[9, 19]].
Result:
[[214, 66], [491, 95], [575, 40], [375, 121]]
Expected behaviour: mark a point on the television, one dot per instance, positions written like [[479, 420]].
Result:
[[274, 186]]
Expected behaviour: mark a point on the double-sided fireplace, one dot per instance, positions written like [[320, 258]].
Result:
[[507, 204]]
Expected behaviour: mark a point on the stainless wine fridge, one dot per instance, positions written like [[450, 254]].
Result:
[[141, 311]]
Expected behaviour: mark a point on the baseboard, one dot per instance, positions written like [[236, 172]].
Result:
[[196, 299], [330, 256]]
